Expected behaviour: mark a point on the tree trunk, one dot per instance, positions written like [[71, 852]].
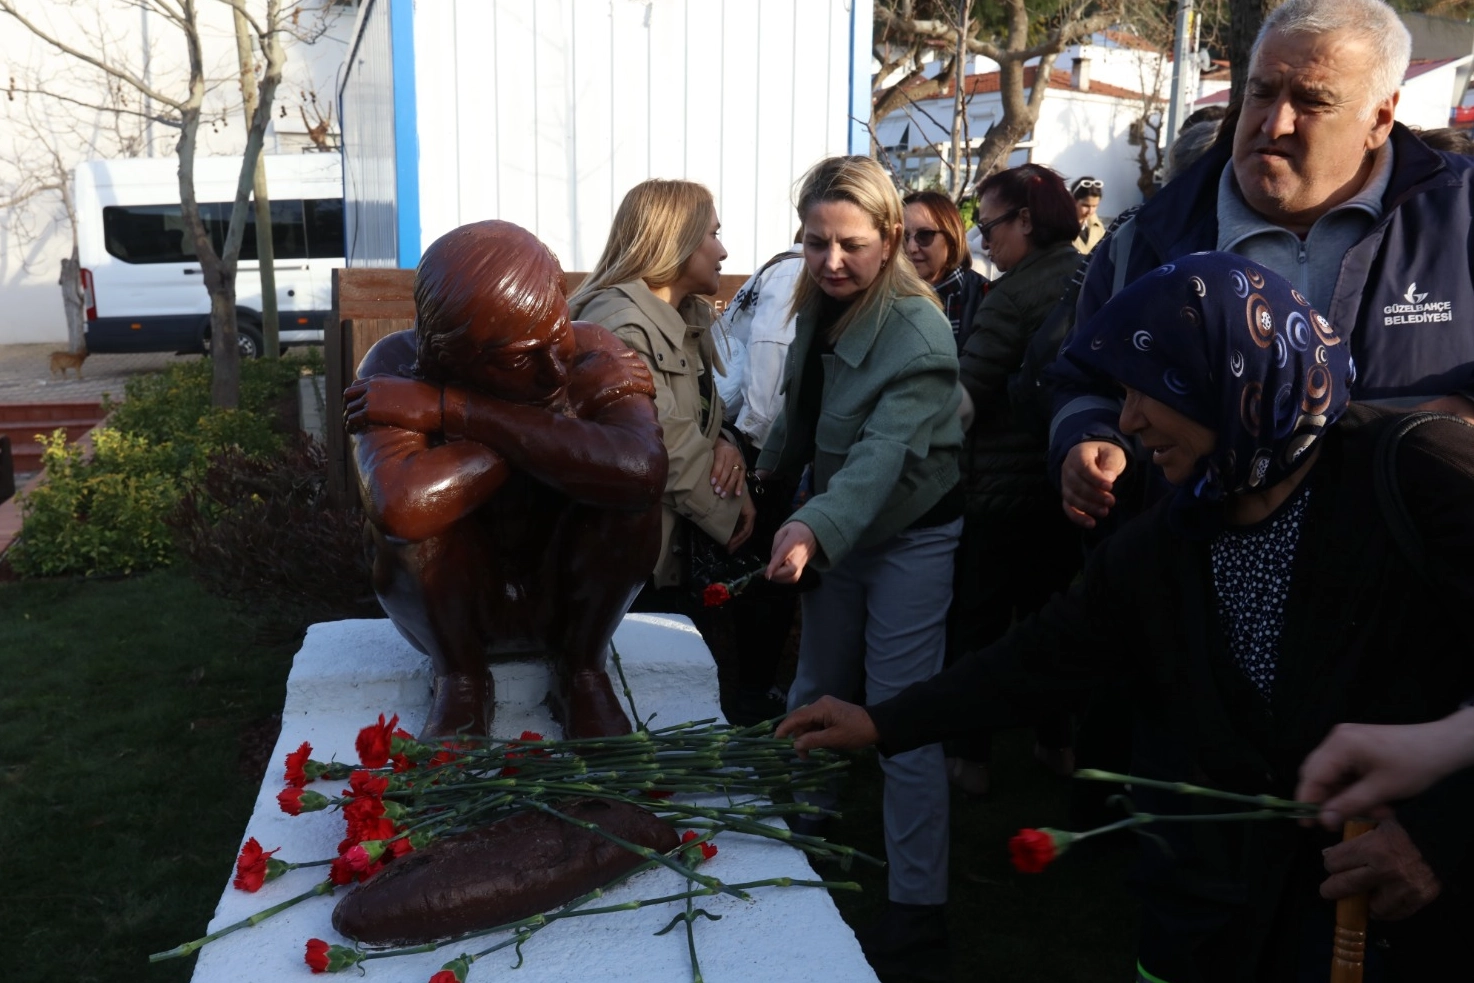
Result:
[[265, 251], [1244, 20], [72, 301]]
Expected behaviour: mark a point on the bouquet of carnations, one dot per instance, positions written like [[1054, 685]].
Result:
[[703, 778]]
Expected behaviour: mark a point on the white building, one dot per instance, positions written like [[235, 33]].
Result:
[[1084, 127], [546, 113], [35, 236]]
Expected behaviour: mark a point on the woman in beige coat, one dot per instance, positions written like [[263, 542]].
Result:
[[663, 253]]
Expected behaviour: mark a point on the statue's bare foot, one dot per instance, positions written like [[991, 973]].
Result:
[[461, 704], [589, 707]]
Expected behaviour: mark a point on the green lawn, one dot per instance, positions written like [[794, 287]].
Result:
[[132, 723], [126, 709]]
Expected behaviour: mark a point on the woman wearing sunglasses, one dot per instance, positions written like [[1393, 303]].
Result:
[[936, 244], [1015, 552]]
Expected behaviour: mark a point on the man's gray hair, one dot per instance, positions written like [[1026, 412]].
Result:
[[1370, 20]]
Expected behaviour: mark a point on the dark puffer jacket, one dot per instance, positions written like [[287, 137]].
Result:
[[1003, 462]]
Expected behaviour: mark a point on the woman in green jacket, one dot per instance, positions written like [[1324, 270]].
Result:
[[871, 401], [663, 252]]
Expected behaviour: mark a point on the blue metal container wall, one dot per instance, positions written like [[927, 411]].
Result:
[[366, 109]]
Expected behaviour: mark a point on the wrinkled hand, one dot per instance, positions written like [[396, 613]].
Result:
[[728, 471], [392, 401], [603, 375], [746, 519], [1086, 478], [1385, 865], [1360, 768], [1459, 406], [794, 546], [829, 723]]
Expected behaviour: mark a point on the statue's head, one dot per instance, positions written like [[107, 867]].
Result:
[[490, 313]]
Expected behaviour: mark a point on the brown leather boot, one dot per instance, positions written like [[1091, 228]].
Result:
[[587, 706], [462, 703]]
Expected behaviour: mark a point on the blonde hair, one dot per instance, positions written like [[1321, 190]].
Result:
[[863, 183], [658, 226]]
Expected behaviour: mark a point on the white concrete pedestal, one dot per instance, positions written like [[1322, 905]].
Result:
[[349, 672]]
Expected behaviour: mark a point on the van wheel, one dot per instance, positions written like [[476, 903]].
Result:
[[248, 339]]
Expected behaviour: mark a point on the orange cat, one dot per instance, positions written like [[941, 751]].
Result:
[[61, 361]]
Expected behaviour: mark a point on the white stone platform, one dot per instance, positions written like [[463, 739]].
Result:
[[349, 672]]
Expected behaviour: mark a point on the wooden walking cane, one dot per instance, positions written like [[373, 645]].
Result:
[[1348, 949]]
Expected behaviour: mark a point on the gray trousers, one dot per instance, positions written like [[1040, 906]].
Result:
[[879, 618]]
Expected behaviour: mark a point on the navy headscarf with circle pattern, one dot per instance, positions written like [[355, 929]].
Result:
[[1232, 345]]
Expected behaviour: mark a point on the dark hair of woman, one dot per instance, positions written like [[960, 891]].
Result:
[[1042, 191], [949, 223]]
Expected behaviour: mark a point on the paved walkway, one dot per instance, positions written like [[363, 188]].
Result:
[[25, 374]]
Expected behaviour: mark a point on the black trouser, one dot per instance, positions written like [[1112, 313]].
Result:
[[1008, 566]]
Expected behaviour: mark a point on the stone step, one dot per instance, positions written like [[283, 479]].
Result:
[[24, 446], [43, 412]]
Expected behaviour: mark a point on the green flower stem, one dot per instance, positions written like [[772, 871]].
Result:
[[1183, 788], [629, 696], [524, 928], [326, 887], [691, 942]]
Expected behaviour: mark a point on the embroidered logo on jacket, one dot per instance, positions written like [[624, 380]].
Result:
[[1417, 309]]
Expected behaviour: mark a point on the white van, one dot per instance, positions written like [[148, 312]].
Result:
[[142, 280]]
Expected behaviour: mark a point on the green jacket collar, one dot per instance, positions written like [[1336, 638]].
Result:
[[859, 337]]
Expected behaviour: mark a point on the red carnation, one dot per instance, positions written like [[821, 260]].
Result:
[[250, 866], [366, 783], [296, 761], [340, 873], [715, 595], [324, 958], [290, 800], [532, 735], [449, 753], [375, 741], [708, 850], [445, 976], [295, 801], [317, 955], [1034, 849]]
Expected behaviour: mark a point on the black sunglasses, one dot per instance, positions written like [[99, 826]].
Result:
[[985, 229], [924, 237]]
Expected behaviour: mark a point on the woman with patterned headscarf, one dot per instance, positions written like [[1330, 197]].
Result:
[[1264, 602]]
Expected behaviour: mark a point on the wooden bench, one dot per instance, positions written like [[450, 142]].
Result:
[[369, 303]]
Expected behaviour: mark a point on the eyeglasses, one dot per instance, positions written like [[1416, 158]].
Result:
[[1089, 184], [985, 229], [923, 237]]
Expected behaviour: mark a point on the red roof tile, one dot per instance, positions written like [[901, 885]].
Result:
[[1058, 79]]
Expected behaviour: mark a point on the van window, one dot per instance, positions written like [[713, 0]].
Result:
[[287, 239], [146, 234], [324, 228], [155, 233]]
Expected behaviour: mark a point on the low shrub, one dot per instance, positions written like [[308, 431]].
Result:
[[106, 514], [261, 529], [101, 516]]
